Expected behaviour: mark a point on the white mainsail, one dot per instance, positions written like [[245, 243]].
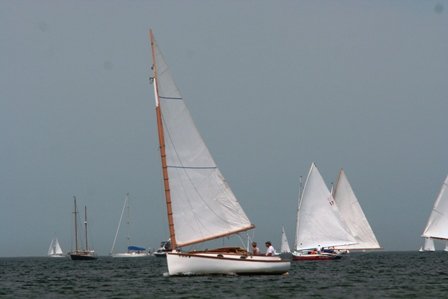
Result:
[[55, 248], [203, 205], [353, 216], [284, 245], [437, 226], [319, 222]]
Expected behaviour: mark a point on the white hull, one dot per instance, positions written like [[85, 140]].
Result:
[[217, 263], [131, 254], [57, 255]]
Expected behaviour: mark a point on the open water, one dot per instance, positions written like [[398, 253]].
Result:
[[357, 275]]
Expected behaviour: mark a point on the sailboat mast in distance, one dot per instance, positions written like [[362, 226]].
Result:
[[166, 182], [75, 213]]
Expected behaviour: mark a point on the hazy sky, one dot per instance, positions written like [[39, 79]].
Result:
[[272, 86]]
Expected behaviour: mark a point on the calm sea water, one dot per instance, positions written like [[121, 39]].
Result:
[[360, 275]]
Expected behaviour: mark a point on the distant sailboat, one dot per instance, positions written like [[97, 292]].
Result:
[[86, 253], [200, 204], [319, 223], [133, 251], [284, 248], [437, 226], [353, 216], [55, 249]]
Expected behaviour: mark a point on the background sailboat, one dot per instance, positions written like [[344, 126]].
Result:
[[319, 222], [78, 253], [284, 248], [437, 226], [353, 216], [55, 249], [200, 204], [132, 251]]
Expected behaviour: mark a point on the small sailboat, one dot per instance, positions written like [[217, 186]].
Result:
[[284, 248], [319, 225], [200, 204], [353, 216], [437, 226], [86, 253], [55, 249], [132, 250]]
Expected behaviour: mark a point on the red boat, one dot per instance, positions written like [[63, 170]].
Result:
[[315, 256]]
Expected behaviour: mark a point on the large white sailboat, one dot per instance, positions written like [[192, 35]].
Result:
[[437, 226], [353, 216], [200, 204], [319, 223], [132, 250], [55, 249]]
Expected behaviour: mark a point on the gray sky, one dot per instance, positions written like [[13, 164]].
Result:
[[272, 86]]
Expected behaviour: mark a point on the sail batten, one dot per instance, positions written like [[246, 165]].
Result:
[[203, 205]]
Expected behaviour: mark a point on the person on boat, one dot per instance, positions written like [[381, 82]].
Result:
[[270, 249], [255, 249]]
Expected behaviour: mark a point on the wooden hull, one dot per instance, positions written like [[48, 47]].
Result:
[[204, 263], [315, 256]]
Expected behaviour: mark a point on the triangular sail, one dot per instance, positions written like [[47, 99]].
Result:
[[437, 226], [203, 205], [353, 216], [319, 223], [284, 245], [55, 248]]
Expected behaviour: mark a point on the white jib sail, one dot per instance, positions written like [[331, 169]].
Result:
[[319, 222], [353, 216], [203, 204], [284, 245], [437, 226]]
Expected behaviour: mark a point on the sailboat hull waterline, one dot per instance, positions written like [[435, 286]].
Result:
[[205, 263]]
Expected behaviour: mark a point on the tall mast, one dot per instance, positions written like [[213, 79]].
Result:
[[162, 145], [298, 208], [75, 212], [85, 226]]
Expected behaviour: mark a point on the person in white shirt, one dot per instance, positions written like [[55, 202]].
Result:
[[271, 250]]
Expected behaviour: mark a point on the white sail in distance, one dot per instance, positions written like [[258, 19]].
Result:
[[203, 205], [353, 215], [437, 226], [55, 248], [284, 245], [319, 222]]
